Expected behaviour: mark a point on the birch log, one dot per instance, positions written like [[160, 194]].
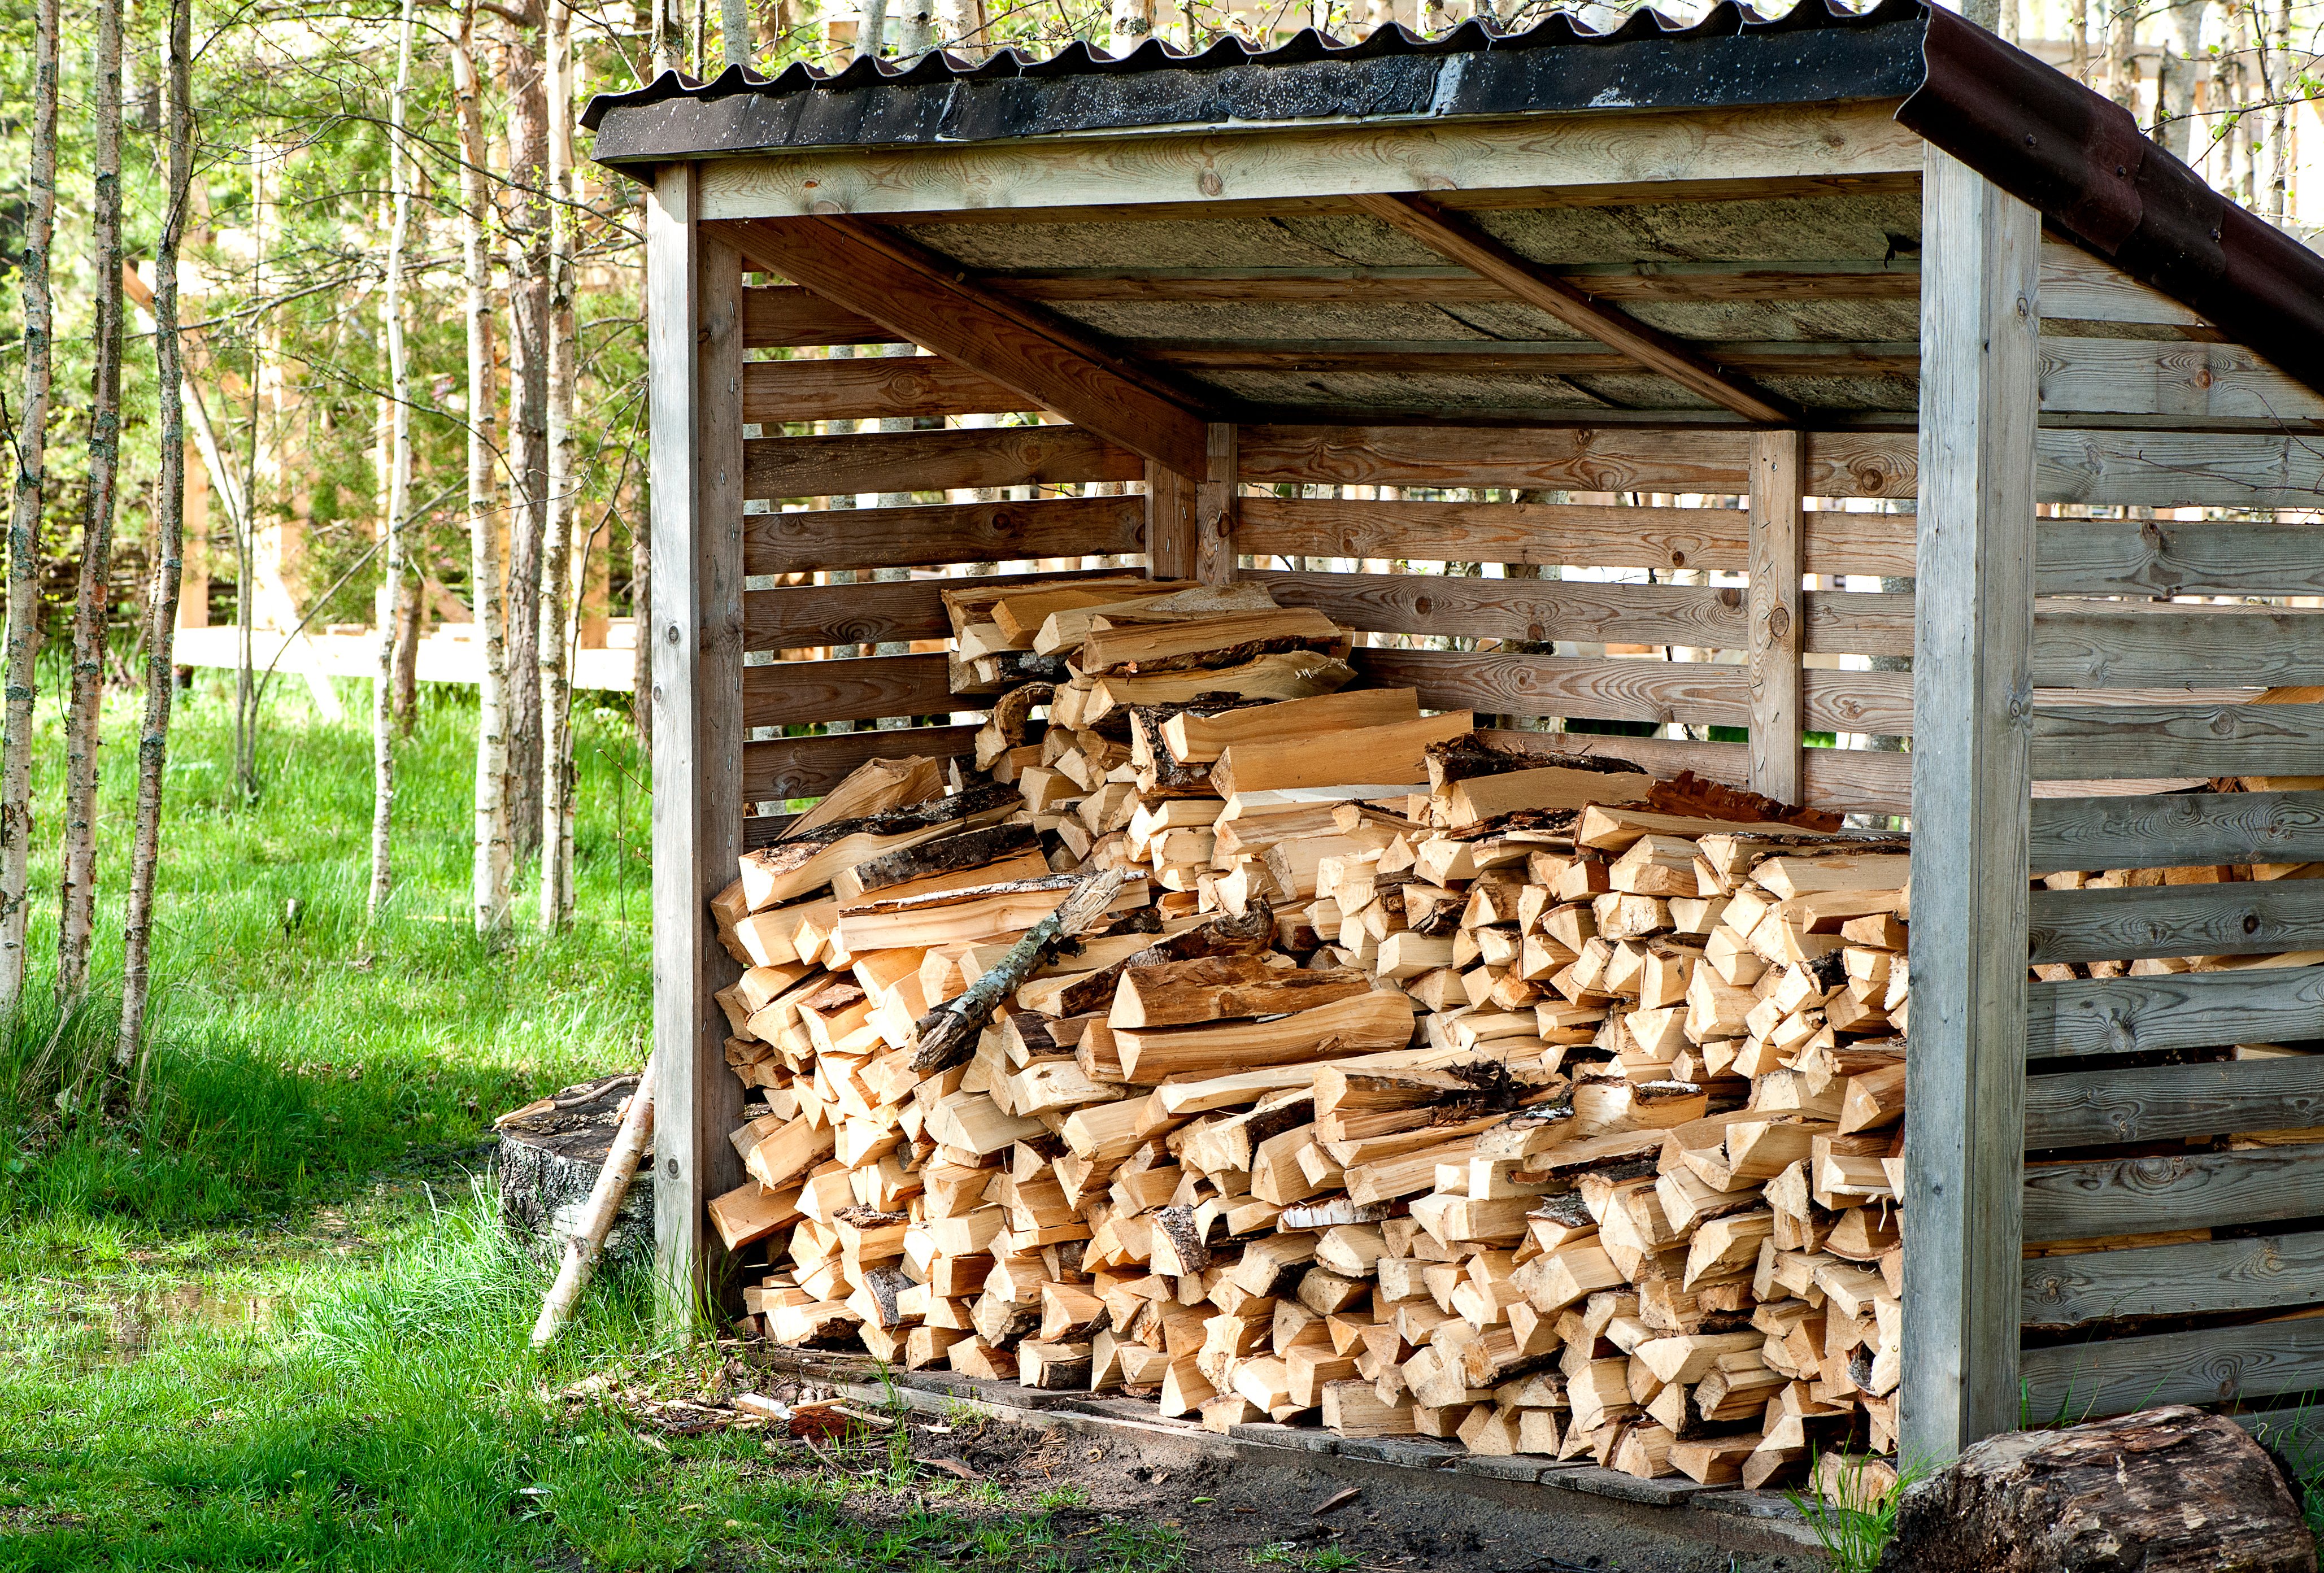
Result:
[[390, 617], [23, 637], [947, 1035], [588, 1241]]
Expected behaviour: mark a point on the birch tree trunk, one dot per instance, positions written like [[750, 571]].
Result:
[[77, 915], [2279, 89], [390, 616], [169, 510], [557, 552], [489, 879], [2175, 108], [24, 638], [1131, 23], [528, 439]]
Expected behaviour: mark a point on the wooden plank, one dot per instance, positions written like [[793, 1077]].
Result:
[[1735, 359], [2078, 286], [1023, 178], [1566, 458], [2247, 918], [786, 316], [2093, 742], [1666, 757], [2198, 381], [1777, 622], [2177, 1010], [1172, 533], [1896, 280], [2160, 1103], [1522, 608], [2199, 1277], [1044, 358], [2078, 645], [695, 350], [2157, 556], [803, 616], [1457, 240], [798, 693], [870, 386], [1859, 780], [2071, 1382], [2127, 1196], [932, 461], [932, 534], [1979, 280], [1218, 504], [2177, 829], [808, 767], [2167, 469]]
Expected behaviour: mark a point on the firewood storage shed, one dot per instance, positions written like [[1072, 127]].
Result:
[[1909, 308]]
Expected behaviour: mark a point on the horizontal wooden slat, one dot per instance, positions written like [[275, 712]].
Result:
[[869, 386], [809, 767], [1858, 780], [2078, 286], [2158, 1103], [1898, 280], [1525, 357], [1557, 458], [2149, 557], [785, 317], [2199, 1276], [1859, 622], [2244, 919], [2094, 743], [797, 616], [1665, 757], [795, 692], [2176, 829], [2128, 376], [2131, 646], [2074, 1382], [937, 533], [1560, 533], [2166, 469], [2125, 1196], [2178, 1010], [932, 461], [1517, 608]]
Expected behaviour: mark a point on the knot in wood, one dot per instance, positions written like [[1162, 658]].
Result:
[[1779, 621]]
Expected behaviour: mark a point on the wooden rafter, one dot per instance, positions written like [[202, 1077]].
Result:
[[1457, 240], [919, 298]]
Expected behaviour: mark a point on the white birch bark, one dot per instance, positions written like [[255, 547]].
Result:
[[23, 638], [556, 574], [390, 616]]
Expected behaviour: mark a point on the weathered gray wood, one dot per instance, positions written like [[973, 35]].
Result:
[[1172, 534], [2199, 381], [2200, 1277], [1980, 322], [2096, 743], [1896, 279], [2084, 1109], [2243, 919], [694, 348], [1858, 780], [1533, 357], [1698, 693], [2128, 1196], [932, 461], [2213, 1366], [2160, 556], [1777, 626], [804, 616], [2166, 469], [1218, 504], [808, 767], [925, 536], [2077, 286], [2135, 647], [793, 692], [2177, 1010], [1534, 610], [2177, 829], [864, 387]]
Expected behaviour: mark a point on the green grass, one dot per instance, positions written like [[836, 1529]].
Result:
[[265, 1320]]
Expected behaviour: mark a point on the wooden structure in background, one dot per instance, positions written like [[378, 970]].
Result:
[[1808, 291]]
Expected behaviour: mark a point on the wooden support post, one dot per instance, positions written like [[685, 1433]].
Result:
[[1215, 507], [694, 348], [1972, 708], [1172, 534], [1777, 618]]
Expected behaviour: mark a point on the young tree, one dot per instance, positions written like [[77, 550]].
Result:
[[557, 556], [526, 220], [170, 508], [23, 640], [392, 527], [489, 885], [92, 595]]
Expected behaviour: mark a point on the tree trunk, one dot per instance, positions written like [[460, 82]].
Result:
[[390, 617], [2175, 108], [2122, 58], [527, 220], [556, 556], [77, 915], [1130, 23], [24, 638], [550, 1153], [960, 27], [2170, 1490], [170, 511], [407, 664], [489, 879], [2078, 41], [2280, 87], [734, 31]]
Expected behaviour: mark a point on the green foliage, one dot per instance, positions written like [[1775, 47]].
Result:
[[1852, 1529], [1315, 1560]]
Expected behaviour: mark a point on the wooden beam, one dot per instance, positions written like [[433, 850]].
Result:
[[924, 298], [1218, 503], [809, 767], [1456, 238], [1173, 535], [2163, 1103], [779, 467], [2201, 1277], [931, 534], [695, 350], [1688, 282], [1777, 622], [2173, 1010], [2071, 1382], [868, 388], [2249, 917], [1972, 780], [2176, 829], [2128, 1196], [1529, 358], [2098, 742]]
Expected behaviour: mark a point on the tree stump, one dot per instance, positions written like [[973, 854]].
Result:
[[549, 1154], [2170, 1490]]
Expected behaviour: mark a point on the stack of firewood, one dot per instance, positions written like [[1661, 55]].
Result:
[[1409, 1085]]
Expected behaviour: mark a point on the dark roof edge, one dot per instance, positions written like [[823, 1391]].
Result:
[[2080, 159]]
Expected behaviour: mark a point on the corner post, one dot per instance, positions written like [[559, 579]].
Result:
[[1972, 698], [1215, 508], [1171, 532], [1777, 613], [694, 289]]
